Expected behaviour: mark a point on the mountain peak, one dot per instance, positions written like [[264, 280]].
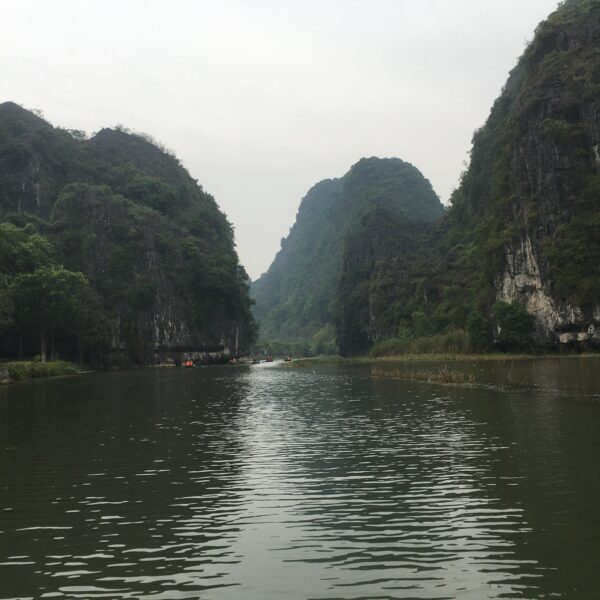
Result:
[[296, 297]]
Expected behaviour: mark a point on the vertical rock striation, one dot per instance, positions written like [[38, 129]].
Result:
[[121, 209]]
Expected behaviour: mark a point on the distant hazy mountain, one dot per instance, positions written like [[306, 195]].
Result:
[[297, 296]]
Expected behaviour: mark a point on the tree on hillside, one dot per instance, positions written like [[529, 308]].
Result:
[[23, 249], [51, 301], [514, 325]]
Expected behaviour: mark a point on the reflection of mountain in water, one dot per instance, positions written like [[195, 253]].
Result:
[[252, 482]]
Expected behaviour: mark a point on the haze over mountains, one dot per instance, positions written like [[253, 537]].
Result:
[[260, 100], [298, 294], [515, 262]]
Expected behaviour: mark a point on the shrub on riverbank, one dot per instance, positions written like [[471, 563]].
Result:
[[452, 342], [33, 369]]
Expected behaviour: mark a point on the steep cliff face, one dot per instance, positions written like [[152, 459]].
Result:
[[298, 296], [36, 161], [123, 211], [530, 199], [557, 320], [523, 228], [379, 259]]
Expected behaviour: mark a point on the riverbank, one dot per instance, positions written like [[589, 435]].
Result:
[[434, 358], [22, 370], [564, 373]]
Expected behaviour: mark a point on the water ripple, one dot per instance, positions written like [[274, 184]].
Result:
[[272, 483]]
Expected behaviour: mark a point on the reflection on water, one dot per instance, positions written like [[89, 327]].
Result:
[[267, 482]]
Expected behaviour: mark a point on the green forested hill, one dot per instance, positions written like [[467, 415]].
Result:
[[534, 178], [516, 262], [154, 255], [297, 298], [127, 253]]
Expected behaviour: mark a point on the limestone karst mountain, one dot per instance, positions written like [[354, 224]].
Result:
[[297, 298], [153, 245], [514, 263]]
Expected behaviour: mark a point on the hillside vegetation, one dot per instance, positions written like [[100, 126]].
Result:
[[296, 300], [109, 248], [515, 263]]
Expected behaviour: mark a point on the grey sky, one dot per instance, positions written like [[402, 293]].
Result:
[[261, 99]]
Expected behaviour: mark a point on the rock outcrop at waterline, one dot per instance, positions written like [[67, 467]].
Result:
[[158, 253], [556, 319]]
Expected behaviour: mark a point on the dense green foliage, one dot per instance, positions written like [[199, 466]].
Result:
[[296, 300], [533, 171], [52, 301], [452, 342], [532, 189], [114, 227], [34, 369], [533, 179], [514, 323], [384, 289], [107, 245], [514, 329]]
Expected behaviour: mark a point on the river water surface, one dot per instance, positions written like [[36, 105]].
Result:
[[271, 482]]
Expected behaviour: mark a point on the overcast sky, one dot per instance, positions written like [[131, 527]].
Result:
[[260, 99]]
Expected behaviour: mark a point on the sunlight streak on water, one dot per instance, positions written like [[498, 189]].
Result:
[[281, 483]]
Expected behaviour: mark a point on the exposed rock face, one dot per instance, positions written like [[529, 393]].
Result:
[[532, 192], [524, 225], [556, 321]]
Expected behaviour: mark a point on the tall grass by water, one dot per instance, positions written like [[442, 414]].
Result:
[[444, 375], [20, 370], [452, 342]]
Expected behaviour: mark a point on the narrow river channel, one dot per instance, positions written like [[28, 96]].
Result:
[[299, 483]]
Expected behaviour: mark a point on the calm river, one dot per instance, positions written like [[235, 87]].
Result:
[[268, 482]]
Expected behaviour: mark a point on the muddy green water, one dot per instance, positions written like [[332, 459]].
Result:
[[271, 482]]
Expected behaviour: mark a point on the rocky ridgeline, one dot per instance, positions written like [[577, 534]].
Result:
[[522, 232], [158, 253]]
